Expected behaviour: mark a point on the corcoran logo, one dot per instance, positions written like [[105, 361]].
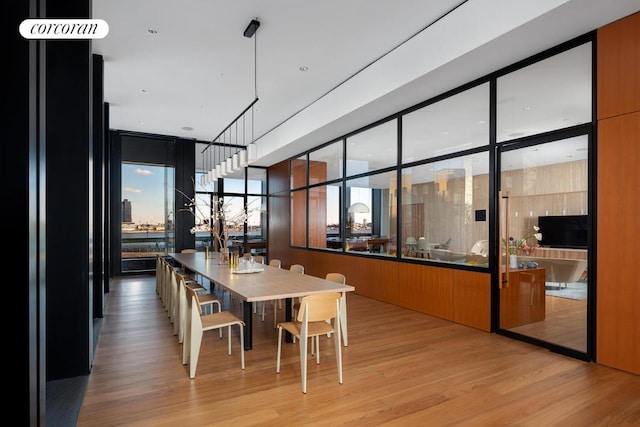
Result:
[[64, 29]]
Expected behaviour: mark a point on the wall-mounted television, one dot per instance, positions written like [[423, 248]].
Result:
[[563, 231]]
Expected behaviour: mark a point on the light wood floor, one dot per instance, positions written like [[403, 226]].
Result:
[[400, 368]]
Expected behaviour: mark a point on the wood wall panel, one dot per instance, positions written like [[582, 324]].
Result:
[[618, 288], [619, 67], [472, 299], [426, 289]]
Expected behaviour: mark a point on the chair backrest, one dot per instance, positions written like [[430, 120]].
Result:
[[258, 259], [336, 277], [192, 297], [423, 245], [297, 268], [275, 263], [480, 247], [188, 251], [319, 307]]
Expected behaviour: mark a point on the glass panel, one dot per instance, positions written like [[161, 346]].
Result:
[[370, 213], [212, 186], [373, 149], [256, 181], [299, 172], [551, 94], [547, 189], [298, 218], [234, 185], [331, 157], [454, 124], [445, 209], [147, 211], [203, 222], [234, 214], [324, 217]]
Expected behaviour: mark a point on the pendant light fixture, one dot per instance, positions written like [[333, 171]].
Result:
[[248, 154], [244, 160], [252, 149]]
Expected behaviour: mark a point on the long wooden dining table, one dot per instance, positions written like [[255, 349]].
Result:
[[271, 283]]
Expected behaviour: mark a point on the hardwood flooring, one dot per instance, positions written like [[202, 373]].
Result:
[[400, 368]]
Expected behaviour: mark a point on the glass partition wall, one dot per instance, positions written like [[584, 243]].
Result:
[[424, 186], [243, 196]]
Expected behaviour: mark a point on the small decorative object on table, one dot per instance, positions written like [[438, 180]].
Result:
[[522, 246]]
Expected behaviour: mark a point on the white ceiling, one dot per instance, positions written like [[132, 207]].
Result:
[[366, 59]]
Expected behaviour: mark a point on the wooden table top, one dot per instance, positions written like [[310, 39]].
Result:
[[272, 283]]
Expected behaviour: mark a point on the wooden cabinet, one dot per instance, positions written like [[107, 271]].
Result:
[[522, 301]]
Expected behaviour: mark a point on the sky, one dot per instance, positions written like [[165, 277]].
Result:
[[143, 186]]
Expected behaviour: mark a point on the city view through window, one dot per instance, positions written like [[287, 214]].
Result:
[[147, 210]]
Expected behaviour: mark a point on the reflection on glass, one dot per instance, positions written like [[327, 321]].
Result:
[[298, 228], [373, 149], [453, 124], [554, 93], [324, 217], [370, 215], [548, 193], [329, 158], [444, 206]]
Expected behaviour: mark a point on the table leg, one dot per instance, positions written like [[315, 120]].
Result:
[[247, 314], [287, 316]]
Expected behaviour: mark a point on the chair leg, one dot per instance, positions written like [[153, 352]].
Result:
[[241, 345], [303, 362], [338, 345], [194, 352], [279, 349]]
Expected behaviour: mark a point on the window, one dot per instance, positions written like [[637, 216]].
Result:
[[373, 149], [457, 123], [147, 212], [370, 212], [444, 210], [551, 94]]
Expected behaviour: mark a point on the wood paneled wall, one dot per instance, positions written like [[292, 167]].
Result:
[[618, 224]]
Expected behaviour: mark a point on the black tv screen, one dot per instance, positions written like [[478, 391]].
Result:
[[565, 231]]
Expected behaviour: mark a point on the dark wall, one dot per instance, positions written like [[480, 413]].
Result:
[[69, 138]]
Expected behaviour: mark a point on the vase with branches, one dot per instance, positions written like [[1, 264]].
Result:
[[218, 221]]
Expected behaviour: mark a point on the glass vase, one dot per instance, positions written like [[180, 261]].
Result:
[[223, 259]]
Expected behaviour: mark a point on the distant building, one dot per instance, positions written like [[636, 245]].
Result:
[[126, 211]]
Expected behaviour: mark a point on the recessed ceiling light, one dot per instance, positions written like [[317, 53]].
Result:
[[526, 108], [187, 128], [304, 68]]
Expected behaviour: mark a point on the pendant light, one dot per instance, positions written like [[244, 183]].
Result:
[[252, 149], [242, 157]]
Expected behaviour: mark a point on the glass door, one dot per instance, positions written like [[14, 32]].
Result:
[[543, 214]]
